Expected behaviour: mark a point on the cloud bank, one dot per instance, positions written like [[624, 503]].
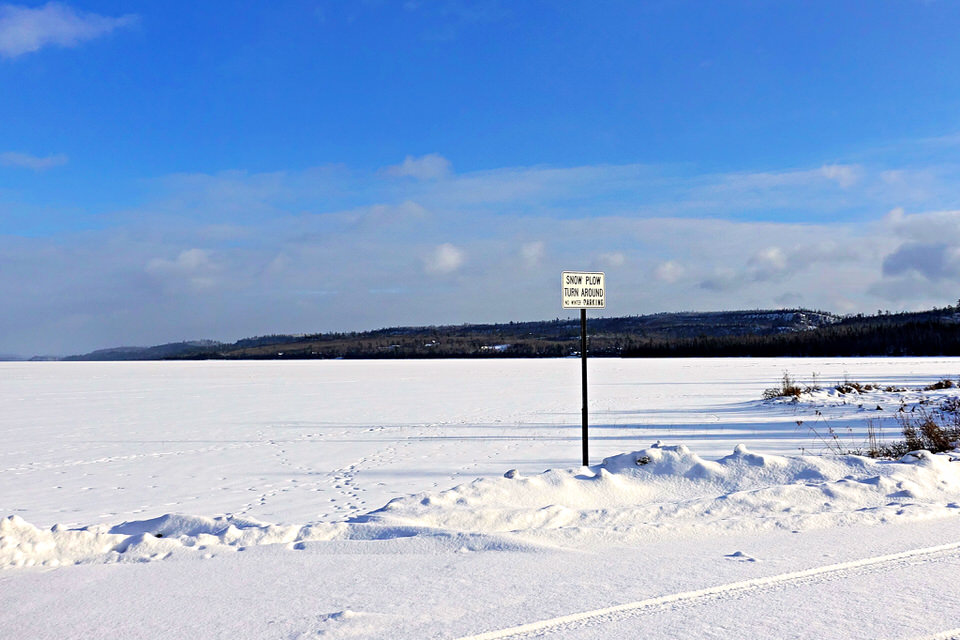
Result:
[[236, 254]]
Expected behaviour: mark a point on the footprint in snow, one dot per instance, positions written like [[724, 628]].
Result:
[[739, 556], [343, 624]]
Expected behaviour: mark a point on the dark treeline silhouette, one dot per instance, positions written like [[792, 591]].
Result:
[[782, 332], [609, 337], [925, 334]]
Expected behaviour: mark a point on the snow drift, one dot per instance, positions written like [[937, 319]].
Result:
[[635, 496], [644, 494]]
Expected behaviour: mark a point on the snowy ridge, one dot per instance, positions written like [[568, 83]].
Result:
[[629, 497], [24, 545], [668, 489]]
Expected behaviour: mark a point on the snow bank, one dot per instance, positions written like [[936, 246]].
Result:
[[24, 545], [668, 489], [659, 491]]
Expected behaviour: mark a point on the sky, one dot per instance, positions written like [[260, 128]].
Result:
[[178, 171]]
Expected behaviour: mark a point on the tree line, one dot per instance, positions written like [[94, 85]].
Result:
[[917, 335]]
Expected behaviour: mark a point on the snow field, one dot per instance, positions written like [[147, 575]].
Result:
[[301, 442], [155, 475]]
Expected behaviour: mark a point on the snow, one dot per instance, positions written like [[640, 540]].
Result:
[[422, 499], [679, 494]]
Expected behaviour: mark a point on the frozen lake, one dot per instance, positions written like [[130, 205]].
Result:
[[324, 440], [157, 476]]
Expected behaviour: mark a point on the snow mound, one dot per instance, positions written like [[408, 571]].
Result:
[[24, 545], [648, 494], [668, 489]]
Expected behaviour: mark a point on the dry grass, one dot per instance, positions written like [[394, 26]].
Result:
[[945, 383], [935, 430], [790, 388], [852, 386]]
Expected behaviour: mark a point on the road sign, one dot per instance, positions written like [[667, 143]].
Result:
[[583, 290]]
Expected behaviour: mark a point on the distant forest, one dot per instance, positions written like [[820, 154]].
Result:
[[758, 333], [930, 334]]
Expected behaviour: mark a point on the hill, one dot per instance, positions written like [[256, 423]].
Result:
[[925, 333], [552, 338], [782, 332], [159, 352]]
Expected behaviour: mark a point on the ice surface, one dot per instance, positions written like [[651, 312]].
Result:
[[437, 499], [301, 442]]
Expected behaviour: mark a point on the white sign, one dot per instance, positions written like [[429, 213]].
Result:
[[583, 290]]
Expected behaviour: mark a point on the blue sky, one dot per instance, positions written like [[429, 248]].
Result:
[[171, 171]]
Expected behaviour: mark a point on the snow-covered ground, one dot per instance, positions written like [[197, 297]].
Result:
[[352, 499]]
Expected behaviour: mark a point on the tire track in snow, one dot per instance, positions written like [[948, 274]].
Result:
[[719, 592], [952, 634]]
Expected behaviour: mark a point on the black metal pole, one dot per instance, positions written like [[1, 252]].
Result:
[[583, 372]]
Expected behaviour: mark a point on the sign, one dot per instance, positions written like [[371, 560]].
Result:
[[583, 290]]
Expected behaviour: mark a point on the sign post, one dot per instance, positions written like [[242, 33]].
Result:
[[583, 290]]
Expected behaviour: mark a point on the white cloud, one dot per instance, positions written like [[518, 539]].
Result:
[[532, 253], [927, 227], [912, 185], [661, 191], [25, 29], [445, 259], [895, 216], [27, 161], [634, 190], [669, 271], [429, 167], [845, 175], [755, 182], [613, 259], [193, 267], [768, 263]]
